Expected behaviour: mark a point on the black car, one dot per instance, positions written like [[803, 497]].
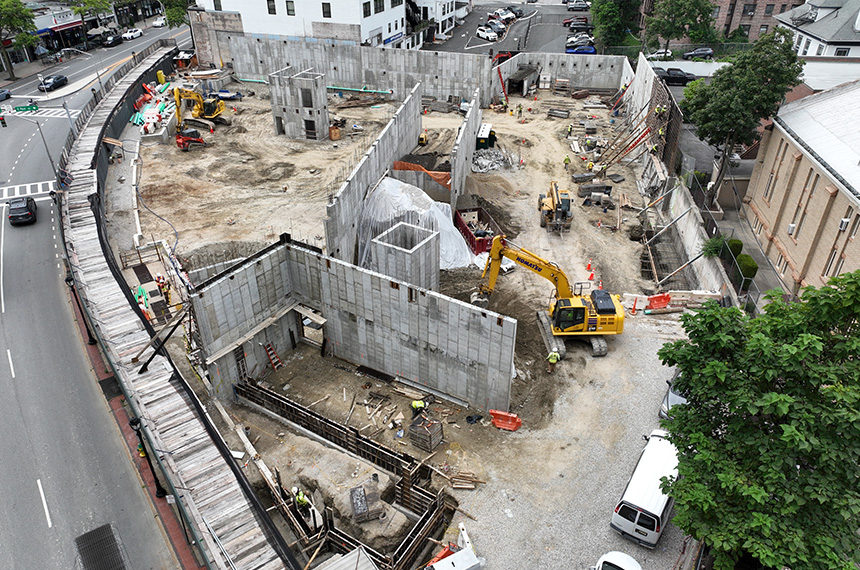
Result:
[[518, 12], [497, 27], [581, 27], [22, 211], [52, 82], [675, 76], [113, 40], [701, 53]]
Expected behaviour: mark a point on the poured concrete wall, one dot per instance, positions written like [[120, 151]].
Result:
[[408, 253], [299, 99], [343, 212], [422, 180], [584, 71], [425, 338], [464, 149]]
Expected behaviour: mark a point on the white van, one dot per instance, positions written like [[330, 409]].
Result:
[[643, 511]]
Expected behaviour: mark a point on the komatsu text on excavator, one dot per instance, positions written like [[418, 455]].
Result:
[[571, 314]]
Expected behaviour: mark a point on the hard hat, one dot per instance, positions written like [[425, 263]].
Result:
[[295, 490]]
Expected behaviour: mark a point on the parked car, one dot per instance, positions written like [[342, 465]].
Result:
[[660, 72], [497, 27], [675, 76], [132, 33], [582, 50], [22, 211], [5, 94], [616, 561], [113, 40], [486, 33], [701, 53], [159, 22], [52, 82], [581, 27], [506, 16], [569, 21], [579, 41], [516, 11], [672, 398], [577, 6], [661, 54]]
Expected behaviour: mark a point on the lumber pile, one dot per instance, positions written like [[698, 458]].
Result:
[[558, 113]]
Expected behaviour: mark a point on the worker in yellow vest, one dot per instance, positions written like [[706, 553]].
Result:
[[301, 501], [552, 359]]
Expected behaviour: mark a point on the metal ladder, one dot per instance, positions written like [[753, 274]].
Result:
[[273, 357]]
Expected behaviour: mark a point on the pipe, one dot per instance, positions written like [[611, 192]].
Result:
[[362, 90], [251, 80]]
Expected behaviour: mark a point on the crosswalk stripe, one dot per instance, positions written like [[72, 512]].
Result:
[[28, 189], [49, 113]]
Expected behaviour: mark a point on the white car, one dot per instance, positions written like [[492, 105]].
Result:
[[616, 561], [486, 33], [132, 33], [159, 22], [660, 54]]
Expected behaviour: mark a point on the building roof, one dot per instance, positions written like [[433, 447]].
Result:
[[834, 27], [825, 125]]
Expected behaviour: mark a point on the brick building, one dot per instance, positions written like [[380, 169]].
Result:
[[804, 194]]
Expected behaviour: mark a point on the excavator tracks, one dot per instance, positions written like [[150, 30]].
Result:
[[551, 341]]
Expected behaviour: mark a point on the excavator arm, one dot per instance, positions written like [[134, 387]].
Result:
[[547, 269]]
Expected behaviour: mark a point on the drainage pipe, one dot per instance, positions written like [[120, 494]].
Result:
[[362, 90]]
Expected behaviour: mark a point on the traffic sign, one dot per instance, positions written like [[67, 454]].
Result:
[[27, 108]]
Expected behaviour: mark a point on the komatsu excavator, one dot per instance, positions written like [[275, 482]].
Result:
[[205, 112], [571, 313]]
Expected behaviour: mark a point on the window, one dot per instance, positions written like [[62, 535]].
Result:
[[814, 185], [838, 269], [218, 5], [647, 522], [716, 12], [830, 262], [389, 27], [855, 226], [271, 4], [797, 40], [781, 264], [749, 9], [291, 8], [762, 30], [307, 100], [820, 49], [768, 9], [396, 3], [768, 185], [799, 226], [366, 8], [326, 7], [731, 10], [627, 513], [745, 28], [782, 8], [841, 52], [806, 46], [378, 6]]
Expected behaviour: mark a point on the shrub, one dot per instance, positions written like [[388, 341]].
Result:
[[736, 246], [713, 246], [748, 268]]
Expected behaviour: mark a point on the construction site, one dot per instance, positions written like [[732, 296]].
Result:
[[327, 270]]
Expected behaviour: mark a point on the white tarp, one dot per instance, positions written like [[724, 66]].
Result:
[[392, 202]]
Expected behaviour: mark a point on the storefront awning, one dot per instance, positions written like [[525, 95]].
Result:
[[67, 26]]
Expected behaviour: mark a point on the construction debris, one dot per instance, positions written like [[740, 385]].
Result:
[[558, 113], [489, 159]]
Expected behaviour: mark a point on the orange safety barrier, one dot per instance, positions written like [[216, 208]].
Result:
[[504, 420], [443, 178], [660, 301]]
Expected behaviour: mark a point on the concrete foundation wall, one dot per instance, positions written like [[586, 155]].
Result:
[[430, 340], [408, 253], [421, 180], [293, 112], [464, 149], [343, 212], [583, 71]]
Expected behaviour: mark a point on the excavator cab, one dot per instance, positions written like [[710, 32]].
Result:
[[565, 316], [210, 107]]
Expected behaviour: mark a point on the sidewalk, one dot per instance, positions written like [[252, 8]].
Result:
[[25, 71]]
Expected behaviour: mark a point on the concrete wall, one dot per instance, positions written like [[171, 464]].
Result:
[[425, 338], [289, 109], [584, 71], [209, 30], [408, 253], [421, 180], [342, 213], [464, 149]]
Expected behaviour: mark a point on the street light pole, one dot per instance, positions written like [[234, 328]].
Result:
[[138, 429], [70, 281], [69, 116], [101, 64], [51, 160]]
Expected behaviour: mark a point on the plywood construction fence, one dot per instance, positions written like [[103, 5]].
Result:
[[424, 338]]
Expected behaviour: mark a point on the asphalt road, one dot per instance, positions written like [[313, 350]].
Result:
[[66, 467]]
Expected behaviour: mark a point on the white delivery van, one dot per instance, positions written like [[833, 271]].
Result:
[[643, 510]]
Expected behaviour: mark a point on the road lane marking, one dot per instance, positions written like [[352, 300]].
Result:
[[44, 503], [2, 239], [11, 366]]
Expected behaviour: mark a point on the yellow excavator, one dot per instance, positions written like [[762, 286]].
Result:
[[206, 112], [555, 210], [571, 313]]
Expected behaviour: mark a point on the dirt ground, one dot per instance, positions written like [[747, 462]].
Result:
[[248, 186]]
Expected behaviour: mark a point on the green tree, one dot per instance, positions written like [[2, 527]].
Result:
[[613, 19], [82, 8], [674, 19], [16, 25], [728, 111], [176, 12], [769, 440]]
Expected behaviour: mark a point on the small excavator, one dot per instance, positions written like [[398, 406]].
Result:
[[554, 208], [571, 313], [206, 112]]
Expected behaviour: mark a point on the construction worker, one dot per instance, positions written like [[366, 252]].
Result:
[[551, 360], [569, 131], [301, 502], [519, 110], [590, 166], [417, 407], [566, 161]]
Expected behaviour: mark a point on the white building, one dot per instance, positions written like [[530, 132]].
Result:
[[440, 11], [366, 22], [826, 28]]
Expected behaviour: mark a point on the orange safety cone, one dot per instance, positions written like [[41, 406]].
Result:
[[591, 276], [600, 285], [599, 224], [588, 267], [633, 310]]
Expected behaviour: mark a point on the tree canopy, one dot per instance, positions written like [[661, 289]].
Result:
[[769, 439], [729, 109], [83, 7], [16, 23], [612, 19], [176, 12], [674, 19]]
